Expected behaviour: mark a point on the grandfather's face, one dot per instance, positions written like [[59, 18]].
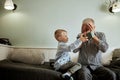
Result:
[[87, 27]]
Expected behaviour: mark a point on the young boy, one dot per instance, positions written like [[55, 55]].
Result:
[[63, 62]]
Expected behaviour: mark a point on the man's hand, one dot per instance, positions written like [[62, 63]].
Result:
[[91, 29]]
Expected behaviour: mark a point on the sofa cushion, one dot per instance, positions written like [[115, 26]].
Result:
[[116, 53], [107, 57], [27, 56]]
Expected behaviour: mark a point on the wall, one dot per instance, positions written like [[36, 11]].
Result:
[[34, 21]]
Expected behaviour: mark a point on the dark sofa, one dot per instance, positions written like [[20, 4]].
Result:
[[33, 64], [11, 70]]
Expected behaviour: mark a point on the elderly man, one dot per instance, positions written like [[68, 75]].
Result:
[[93, 45]]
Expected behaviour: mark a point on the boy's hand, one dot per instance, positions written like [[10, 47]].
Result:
[[83, 38]]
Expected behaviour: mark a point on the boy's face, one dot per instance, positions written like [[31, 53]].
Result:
[[63, 37]]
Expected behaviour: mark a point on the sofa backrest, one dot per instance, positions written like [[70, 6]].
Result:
[[49, 53], [4, 51]]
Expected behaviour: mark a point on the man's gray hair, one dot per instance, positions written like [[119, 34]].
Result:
[[87, 20]]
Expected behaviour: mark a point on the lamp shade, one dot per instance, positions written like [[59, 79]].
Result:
[[116, 7], [9, 5]]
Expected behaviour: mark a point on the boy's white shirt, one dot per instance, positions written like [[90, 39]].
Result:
[[63, 53]]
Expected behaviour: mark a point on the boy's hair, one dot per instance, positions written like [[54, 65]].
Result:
[[58, 33], [88, 20]]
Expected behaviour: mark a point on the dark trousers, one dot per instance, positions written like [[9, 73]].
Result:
[[66, 67], [100, 73]]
